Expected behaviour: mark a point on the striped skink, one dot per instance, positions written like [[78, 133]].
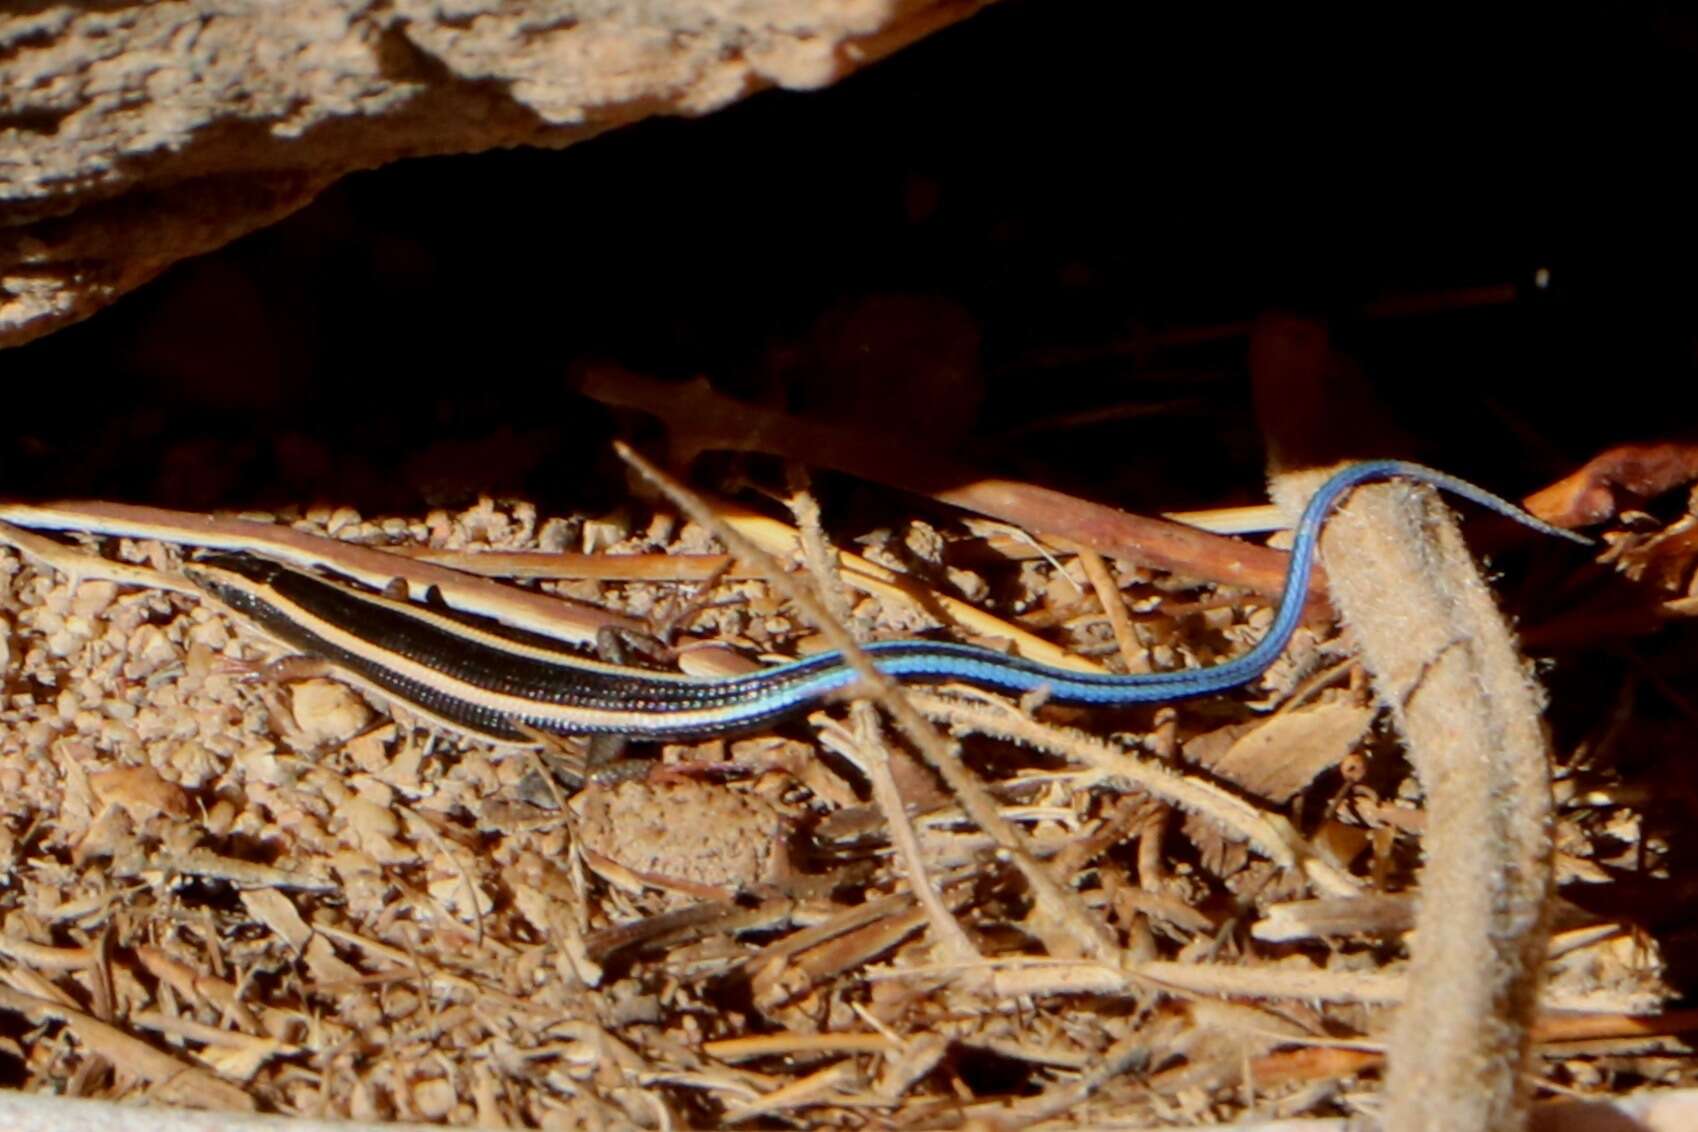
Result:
[[504, 684]]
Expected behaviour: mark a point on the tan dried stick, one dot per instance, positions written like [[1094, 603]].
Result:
[[541, 613], [864, 746], [1269, 834], [1445, 665], [1114, 608]]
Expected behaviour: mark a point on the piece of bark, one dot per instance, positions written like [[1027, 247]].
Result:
[[1279, 756], [134, 134], [1624, 475]]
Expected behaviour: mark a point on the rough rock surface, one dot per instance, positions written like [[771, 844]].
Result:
[[134, 133]]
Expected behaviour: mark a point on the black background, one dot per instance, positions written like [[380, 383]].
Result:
[[1080, 179]]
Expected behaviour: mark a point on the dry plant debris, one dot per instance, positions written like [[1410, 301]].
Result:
[[229, 893]]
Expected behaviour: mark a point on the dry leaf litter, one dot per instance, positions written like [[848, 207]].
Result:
[[230, 892]]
